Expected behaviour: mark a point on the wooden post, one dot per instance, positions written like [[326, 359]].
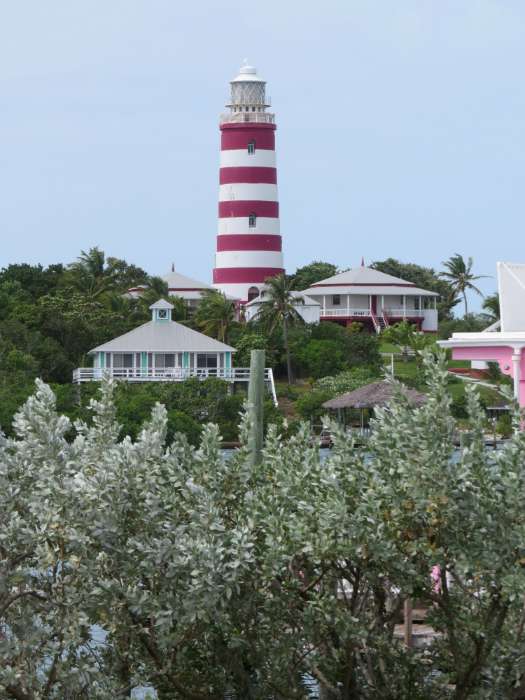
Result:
[[408, 623], [255, 405]]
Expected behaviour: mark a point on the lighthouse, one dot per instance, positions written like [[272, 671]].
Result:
[[249, 247]]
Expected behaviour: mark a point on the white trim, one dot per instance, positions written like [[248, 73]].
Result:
[[516, 373]]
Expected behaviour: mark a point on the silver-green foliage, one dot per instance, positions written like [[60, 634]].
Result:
[[127, 563]]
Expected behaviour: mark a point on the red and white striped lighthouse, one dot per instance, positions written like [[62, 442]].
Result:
[[249, 240]]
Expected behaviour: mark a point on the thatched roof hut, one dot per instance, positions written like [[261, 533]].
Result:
[[373, 395]]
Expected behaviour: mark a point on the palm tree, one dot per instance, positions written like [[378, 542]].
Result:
[[491, 306], [459, 274], [91, 274], [215, 314], [278, 309]]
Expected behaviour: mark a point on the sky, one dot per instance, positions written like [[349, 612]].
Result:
[[401, 128]]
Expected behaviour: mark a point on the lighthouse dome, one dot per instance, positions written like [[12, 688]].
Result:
[[247, 74]]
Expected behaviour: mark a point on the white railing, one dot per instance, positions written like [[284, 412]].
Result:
[[404, 313], [243, 117], [173, 374], [344, 311]]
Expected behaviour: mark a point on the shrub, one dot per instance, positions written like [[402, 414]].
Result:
[[322, 357], [309, 406], [347, 381]]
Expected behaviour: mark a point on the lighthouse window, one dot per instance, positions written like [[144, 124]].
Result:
[[251, 148], [252, 220]]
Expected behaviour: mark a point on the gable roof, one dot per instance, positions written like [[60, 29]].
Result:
[[178, 282], [163, 337], [363, 280], [307, 301], [161, 304]]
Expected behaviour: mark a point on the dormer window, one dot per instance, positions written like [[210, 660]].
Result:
[[163, 314], [251, 148], [252, 220]]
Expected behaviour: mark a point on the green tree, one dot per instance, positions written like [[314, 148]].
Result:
[[278, 309], [34, 280], [407, 337], [459, 274], [307, 275], [215, 314], [90, 274], [322, 357]]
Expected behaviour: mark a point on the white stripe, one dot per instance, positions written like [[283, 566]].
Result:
[[239, 224], [242, 159], [238, 290], [243, 192], [249, 258]]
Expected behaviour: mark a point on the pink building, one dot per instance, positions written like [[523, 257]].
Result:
[[248, 241], [504, 341]]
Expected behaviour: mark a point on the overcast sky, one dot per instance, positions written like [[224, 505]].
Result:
[[401, 128]]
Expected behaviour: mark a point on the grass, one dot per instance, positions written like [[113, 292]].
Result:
[[459, 363], [386, 347], [404, 370]]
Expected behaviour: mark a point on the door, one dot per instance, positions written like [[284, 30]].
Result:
[[373, 304]]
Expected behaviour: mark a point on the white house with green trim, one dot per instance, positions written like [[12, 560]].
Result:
[[164, 350]]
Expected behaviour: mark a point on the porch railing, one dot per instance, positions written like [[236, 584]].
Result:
[[345, 311], [171, 374], [367, 313]]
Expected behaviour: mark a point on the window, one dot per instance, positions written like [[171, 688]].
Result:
[[252, 293], [163, 314], [207, 361], [252, 220], [336, 300], [164, 360], [122, 360], [251, 148]]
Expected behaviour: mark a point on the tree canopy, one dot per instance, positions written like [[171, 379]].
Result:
[[307, 275]]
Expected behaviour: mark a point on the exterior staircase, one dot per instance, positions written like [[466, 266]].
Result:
[[380, 322]]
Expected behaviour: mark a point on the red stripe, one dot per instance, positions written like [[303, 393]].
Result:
[[248, 241], [229, 176], [247, 125], [234, 139], [232, 275], [247, 207]]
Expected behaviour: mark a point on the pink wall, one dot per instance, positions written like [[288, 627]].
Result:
[[500, 354]]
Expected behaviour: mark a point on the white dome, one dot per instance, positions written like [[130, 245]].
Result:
[[247, 74]]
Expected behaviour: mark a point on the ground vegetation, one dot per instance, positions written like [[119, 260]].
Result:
[[126, 563]]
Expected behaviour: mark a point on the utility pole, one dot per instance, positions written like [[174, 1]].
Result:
[[255, 405]]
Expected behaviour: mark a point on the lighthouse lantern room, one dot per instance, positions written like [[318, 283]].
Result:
[[249, 247]]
